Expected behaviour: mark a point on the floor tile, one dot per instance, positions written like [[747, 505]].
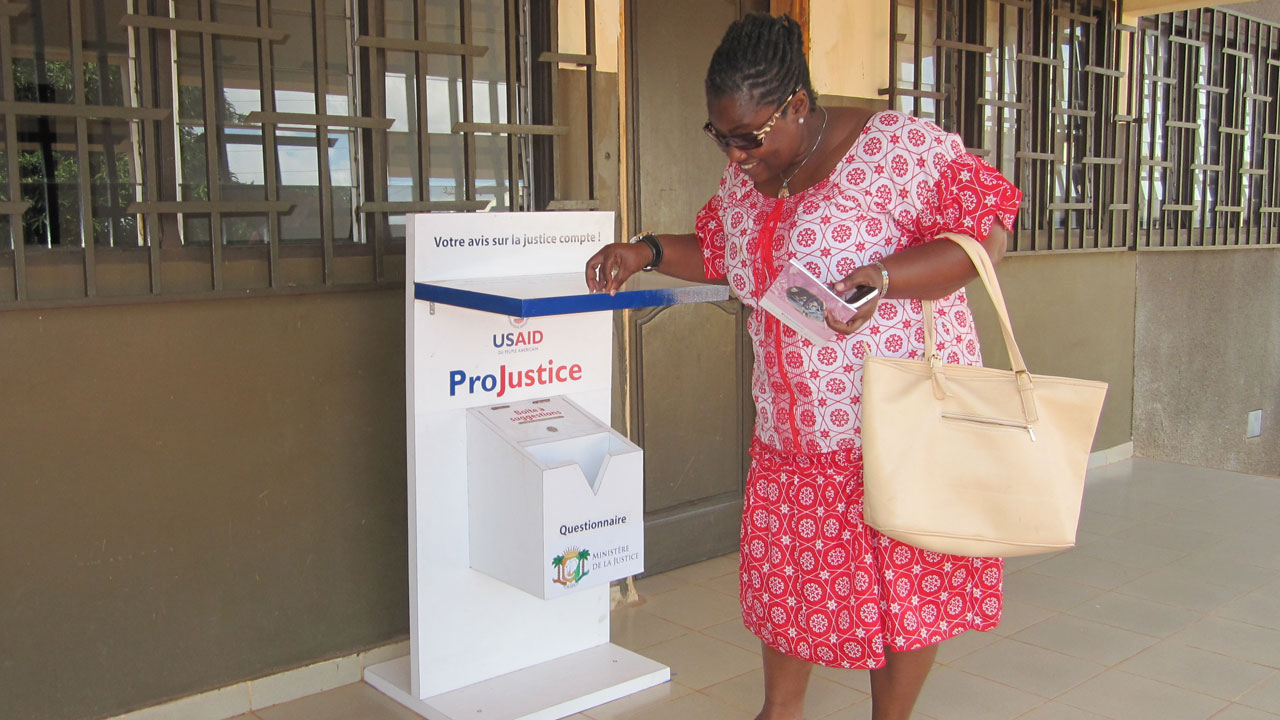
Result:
[[699, 661], [1239, 640], [859, 680], [693, 606], [718, 566], [1136, 614], [635, 629], [1217, 570], [1243, 712], [1018, 614], [1135, 503], [649, 697], [1104, 523], [862, 711], [357, 701], [672, 579], [823, 698], [1239, 518], [1027, 667], [1085, 639], [727, 584], [1172, 537], [1195, 669], [733, 631], [957, 695], [1255, 548], [1260, 607], [1199, 517], [1087, 570], [1018, 564], [1122, 696], [1174, 586], [951, 650], [1129, 553], [1050, 592], [650, 585], [689, 705], [1058, 711], [1264, 696]]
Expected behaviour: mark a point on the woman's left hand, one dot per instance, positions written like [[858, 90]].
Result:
[[865, 275]]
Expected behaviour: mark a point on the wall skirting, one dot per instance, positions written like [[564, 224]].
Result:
[[238, 699], [1123, 451]]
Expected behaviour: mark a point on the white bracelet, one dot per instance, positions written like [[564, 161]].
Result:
[[884, 278]]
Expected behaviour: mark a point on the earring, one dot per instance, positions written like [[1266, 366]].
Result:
[[801, 121]]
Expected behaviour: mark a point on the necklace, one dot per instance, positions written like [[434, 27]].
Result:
[[784, 192]]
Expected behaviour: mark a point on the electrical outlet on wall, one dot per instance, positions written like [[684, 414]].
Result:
[[1254, 424]]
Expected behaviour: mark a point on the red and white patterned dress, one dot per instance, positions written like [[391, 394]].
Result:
[[816, 582]]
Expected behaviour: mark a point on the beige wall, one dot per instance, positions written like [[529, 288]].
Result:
[[571, 30], [1072, 315], [1207, 352], [848, 47], [196, 493]]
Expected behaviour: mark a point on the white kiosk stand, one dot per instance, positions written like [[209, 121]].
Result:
[[509, 375]]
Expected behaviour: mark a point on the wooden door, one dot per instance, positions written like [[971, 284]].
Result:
[[689, 365]]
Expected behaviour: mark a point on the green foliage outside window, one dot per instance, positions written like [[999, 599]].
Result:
[[49, 176]]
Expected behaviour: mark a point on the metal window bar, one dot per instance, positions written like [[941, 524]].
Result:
[[15, 207], [147, 27], [587, 61], [1227, 59], [1051, 105], [80, 110], [151, 110], [1162, 135], [270, 152]]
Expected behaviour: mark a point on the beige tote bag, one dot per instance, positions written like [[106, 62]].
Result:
[[970, 460]]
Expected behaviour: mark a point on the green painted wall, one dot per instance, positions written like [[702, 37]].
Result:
[[196, 494], [1073, 315]]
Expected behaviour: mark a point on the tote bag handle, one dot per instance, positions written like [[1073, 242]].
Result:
[[987, 272]]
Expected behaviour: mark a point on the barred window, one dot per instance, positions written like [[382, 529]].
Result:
[[205, 147], [1157, 136], [1209, 131]]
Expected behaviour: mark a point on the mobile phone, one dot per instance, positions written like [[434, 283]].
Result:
[[860, 295]]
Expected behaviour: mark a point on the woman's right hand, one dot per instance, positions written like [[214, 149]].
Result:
[[609, 268]]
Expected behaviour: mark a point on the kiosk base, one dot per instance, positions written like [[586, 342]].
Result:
[[547, 691]]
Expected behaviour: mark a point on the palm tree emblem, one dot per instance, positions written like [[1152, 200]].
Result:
[[561, 562]]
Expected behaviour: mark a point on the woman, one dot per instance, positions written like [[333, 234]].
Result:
[[855, 197]]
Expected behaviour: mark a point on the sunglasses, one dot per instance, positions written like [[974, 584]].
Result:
[[750, 140]]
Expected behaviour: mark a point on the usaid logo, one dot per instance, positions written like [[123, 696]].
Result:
[[521, 340], [517, 339]]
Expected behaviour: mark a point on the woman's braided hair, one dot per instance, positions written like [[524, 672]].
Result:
[[762, 57]]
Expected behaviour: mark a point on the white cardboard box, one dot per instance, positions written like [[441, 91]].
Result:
[[555, 497]]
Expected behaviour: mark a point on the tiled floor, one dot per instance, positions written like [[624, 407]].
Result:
[[1169, 608]]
